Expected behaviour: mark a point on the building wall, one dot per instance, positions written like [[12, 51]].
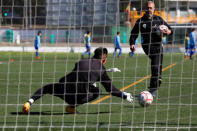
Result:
[[82, 12]]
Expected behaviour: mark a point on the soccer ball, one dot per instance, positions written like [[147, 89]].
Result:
[[162, 28], [145, 98]]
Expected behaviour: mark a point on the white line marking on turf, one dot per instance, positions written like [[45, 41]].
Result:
[[3, 62], [106, 126]]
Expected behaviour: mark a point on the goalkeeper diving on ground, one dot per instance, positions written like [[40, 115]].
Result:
[[79, 86]]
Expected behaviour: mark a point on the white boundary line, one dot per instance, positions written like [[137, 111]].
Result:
[[106, 126], [178, 26], [74, 49]]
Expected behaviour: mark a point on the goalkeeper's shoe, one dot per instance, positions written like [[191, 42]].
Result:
[[71, 110], [26, 107]]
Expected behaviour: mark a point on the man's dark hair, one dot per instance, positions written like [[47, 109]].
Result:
[[39, 32], [99, 52], [118, 33], [193, 29], [88, 32]]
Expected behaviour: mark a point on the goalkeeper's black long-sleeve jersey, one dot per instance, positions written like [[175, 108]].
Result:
[[85, 73], [149, 29]]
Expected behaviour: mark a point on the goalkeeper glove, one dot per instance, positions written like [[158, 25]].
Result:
[[129, 97]]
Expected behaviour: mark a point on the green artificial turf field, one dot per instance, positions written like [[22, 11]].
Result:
[[175, 106]]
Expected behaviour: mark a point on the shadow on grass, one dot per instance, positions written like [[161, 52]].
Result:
[[133, 106], [56, 113]]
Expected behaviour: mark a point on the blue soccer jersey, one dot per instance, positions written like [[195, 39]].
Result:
[[192, 40], [117, 42], [37, 42]]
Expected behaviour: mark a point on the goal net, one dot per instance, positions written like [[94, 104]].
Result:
[[26, 67]]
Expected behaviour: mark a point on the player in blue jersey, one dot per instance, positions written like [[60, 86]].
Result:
[[87, 39], [187, 43], [37, 44], [117, 45], [192, 45]]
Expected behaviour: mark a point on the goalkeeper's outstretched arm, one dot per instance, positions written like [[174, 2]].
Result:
[[107, 83]]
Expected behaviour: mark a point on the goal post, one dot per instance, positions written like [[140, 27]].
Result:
[[26, 67]]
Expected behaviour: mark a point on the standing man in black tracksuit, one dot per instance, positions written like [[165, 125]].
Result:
[[78, 87], [148, 26]]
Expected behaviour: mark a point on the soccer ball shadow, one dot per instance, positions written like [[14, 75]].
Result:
[[40, 113], [48, 113]]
